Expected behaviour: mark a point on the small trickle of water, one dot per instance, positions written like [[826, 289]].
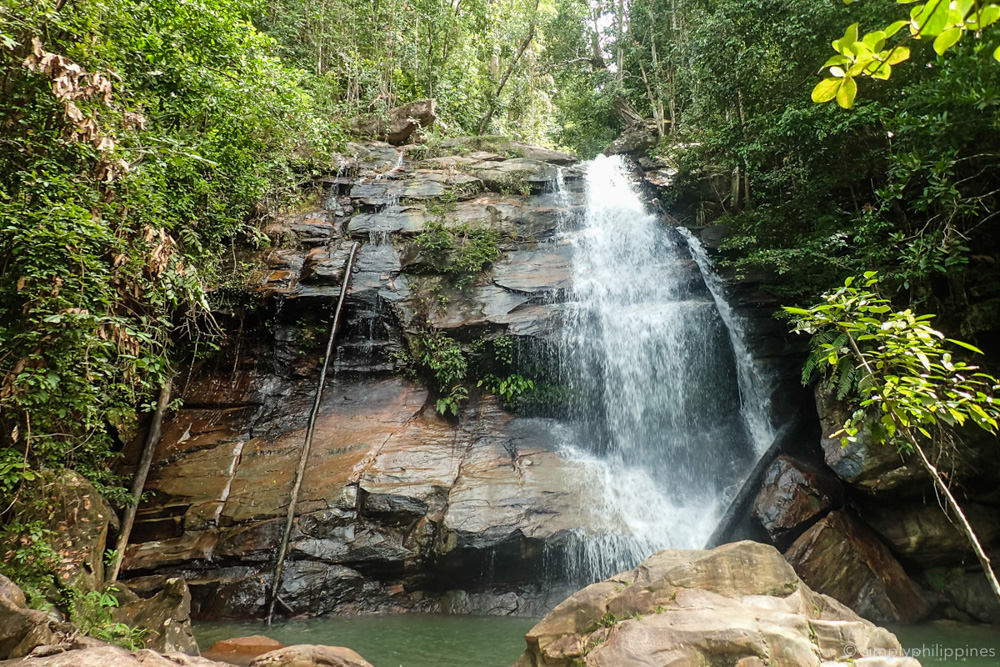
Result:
[[396, 167], [649, 362], [756, 383]]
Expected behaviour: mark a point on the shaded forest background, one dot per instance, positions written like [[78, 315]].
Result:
[[143, 142]]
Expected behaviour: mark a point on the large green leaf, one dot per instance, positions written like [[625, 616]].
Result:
[[847, 92], [946, 40], [826, 89]]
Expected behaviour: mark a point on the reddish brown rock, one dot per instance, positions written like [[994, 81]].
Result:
[[793, 493], [843, 558], [244, 647]]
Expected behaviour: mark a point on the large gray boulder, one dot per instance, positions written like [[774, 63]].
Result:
[[739, 604], [402, 122]]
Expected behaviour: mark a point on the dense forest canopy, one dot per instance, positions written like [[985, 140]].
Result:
[[143, 141]]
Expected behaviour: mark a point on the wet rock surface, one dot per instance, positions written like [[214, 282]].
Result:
[[400, 508], [739, 604], [845, 558], [242, 649], [793, 495]]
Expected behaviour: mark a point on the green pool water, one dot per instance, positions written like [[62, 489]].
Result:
[[404, 640], [431, 640], [947, 644]]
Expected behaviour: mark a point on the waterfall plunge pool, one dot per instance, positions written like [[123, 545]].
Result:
[[440, 640], [396, 640]]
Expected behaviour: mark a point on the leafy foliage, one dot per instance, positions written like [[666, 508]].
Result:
[[910, 386], [92, 613], [909, 377], [139, 139], [509, 389], [30, 560], [871, 56], [463, 251], [369, 57]]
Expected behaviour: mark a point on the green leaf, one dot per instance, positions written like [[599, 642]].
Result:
[[996, 54], [898, 55], [847, 92], [875, 40], [967, 346], [931, 19], [851, 34], [987, 16], [836, 60], [946, 40], [826, 90], [895, 27], [882, 71], [843, 44]]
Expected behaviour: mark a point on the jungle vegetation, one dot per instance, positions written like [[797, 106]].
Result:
[[143, 141]]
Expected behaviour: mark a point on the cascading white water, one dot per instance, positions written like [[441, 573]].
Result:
[[755, 383], [649, 362]]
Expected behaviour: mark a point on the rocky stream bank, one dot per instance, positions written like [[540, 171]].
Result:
[[740, 604]]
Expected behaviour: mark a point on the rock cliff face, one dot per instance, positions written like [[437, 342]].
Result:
[[860, 523], [401, 508]]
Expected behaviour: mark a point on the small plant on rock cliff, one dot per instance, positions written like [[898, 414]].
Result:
[[441, 357], [92, 612], [910, 390], [509, 388], [462, 251]]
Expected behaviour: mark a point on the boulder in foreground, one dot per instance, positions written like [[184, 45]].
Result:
[[311, 655], [739, 604]]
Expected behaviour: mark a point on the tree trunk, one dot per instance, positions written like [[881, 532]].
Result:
[[952, 503], [279, 561], [510, 69], [139, 482]]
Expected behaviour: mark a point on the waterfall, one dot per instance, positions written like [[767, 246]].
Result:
[[662, 433], [756, 384]]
